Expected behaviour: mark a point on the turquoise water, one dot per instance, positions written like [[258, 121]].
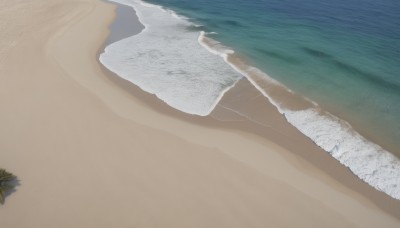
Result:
[[336, 54], [344, 55]]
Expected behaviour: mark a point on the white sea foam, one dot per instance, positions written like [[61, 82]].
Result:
[[167, 60], [370, 162], [367, 160]]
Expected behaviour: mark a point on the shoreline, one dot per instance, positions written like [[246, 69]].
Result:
[[292, 105], [280, 127], [91, 153], [316, 156]]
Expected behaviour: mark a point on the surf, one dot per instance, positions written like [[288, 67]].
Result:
[[175, 60]]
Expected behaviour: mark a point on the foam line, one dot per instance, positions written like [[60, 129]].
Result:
[[166, 59], [188, 71]]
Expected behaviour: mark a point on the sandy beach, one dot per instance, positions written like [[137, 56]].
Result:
[[92, 150]]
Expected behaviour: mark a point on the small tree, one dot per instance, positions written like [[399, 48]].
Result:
[[7, 184]]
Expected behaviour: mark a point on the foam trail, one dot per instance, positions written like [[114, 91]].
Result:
[[370, 162], [166, 59]]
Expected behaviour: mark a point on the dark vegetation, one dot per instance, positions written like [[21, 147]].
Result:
[[8, 181]]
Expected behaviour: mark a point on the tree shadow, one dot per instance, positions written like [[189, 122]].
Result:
[[8, 184], [14, 183]]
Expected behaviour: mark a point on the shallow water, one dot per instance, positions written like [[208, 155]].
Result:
[[167, 60], [173, 59], [344, 55]]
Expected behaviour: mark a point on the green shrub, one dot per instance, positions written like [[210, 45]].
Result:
[[7, 184]]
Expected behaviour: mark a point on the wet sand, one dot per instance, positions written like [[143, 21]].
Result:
[[245, 109], [92, 150]]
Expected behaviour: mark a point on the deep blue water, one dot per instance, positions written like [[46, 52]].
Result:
[[343, 54]]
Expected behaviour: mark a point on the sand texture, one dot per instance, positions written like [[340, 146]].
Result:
[[89, 152]]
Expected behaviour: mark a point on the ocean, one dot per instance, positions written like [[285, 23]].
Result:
[[340, 56]]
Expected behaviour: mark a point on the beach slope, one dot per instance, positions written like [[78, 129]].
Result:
[[89, 154]]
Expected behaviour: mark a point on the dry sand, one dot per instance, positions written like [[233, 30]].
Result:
[[90, 154]]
